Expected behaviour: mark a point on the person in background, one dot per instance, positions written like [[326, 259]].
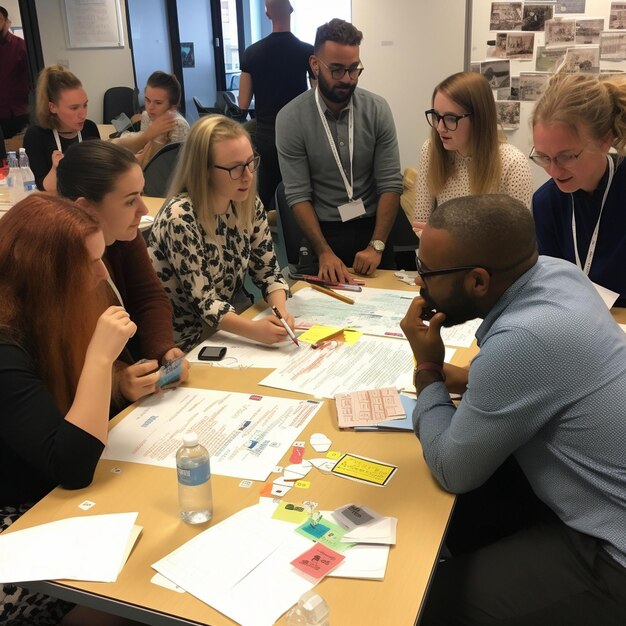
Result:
[[106, 178], [58, 342], [14, 79], [339, 157], [535, 448], [61, 106], [211, 232], [579, 213], [274, 71], [465, 154], [161, 98]]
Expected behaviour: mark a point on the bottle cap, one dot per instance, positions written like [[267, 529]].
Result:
[[314, 607], [190, 440]]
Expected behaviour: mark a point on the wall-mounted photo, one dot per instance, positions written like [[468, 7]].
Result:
[[187, 54]]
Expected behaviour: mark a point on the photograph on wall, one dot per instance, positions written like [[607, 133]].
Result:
[[504, 93], [588, 30], [187, 54], [560, 33], [520, 45], [582, 59], [617, 17], [498, 73], [475, 67], [549, 60], [569, 6], [508, 114], [514, 92], [613, 46], [506, 16], [536, 16], [532, 85], [499, 50]]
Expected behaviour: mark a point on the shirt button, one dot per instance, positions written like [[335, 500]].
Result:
[[342, 144]]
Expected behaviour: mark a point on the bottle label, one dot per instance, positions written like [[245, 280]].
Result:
[[194, 476]]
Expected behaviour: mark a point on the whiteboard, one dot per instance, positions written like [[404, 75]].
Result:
[[94, 24]]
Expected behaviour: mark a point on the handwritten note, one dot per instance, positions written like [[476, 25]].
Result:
[[364, 470], [318, 561], [371, 406]]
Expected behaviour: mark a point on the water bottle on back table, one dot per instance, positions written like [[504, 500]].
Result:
[[14, 179], [195, 496], [28, 178]]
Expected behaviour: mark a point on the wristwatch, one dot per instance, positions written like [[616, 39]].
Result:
[[377, 244]]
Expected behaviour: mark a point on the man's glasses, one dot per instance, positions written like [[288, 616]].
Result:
[[236, 171], [565, 159], [424, 273], [450, 121], [337, 73]]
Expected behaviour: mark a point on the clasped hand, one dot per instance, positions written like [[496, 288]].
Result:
[[425, 340]]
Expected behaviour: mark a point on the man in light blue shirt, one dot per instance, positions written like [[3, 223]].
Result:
[[339, 159], [548, 388]]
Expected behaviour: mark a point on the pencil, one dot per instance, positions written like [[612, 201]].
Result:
[[332, 294]]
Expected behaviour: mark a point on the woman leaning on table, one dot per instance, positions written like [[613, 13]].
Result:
[[465, 154], [61, 108], [58, 342], [107, 179], [580, 214], [212, 231]]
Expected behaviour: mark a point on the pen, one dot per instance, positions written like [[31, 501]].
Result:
[[332, 294], [354, 286], [285, 325]]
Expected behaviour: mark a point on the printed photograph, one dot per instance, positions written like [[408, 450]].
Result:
[[520, 45], [586, 60], [499, 50], [549, 60], [617, 17], [536, 16], [504, 93], [506, 16], [560, 33], [569, 6], [588, 31], [532, 85], [612, 46], [187, 54], [508, 114], [514, 94], [498, 73], [475, 67]]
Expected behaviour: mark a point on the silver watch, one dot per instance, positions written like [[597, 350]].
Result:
[[377, 244]]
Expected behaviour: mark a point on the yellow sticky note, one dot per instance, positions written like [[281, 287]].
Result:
[[364, 469], [294, 513], [333, 454], [318, 333], [302, 484]]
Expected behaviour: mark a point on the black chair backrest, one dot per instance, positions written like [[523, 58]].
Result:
[[158, 173], [231, 108], [289, 234], [119, 100], [202, 110]]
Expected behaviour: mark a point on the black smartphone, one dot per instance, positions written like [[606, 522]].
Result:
[[212, 353]]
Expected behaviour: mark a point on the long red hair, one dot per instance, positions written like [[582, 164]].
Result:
[[49, 300]]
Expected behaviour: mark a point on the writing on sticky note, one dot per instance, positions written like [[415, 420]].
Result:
[[364, 470], [302, 484], [325, 532], [318, 561], [289, 512], [333, 454]]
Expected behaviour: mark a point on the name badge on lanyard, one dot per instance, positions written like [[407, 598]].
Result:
[[57, 139], [353, 208]]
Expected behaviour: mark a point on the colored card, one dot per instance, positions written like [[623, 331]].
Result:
[[364, 470], [170, 373], [288, 512], [318, 561], [326, 532]]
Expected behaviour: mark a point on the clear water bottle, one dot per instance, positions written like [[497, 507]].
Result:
[[28, 178], [195, 497], [14, 179], [311, 610]]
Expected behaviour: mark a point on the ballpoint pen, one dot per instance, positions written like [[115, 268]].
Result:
[[286, 326], [325, 283]]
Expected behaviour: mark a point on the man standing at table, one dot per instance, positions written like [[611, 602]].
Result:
[[546, 394], [275, 71], [338, 155], [14, 81]]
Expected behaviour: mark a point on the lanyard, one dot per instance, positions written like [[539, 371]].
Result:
[[116, 291], [331, 142], [55, 132], [594, 236]]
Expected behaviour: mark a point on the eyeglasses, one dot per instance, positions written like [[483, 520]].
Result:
[[450, 121], [236, 171], [338, 73], [424, 273], [565, 159]]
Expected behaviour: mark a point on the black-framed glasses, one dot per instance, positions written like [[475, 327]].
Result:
[[338, 73], [425, 273], [236, 171], [450, 121], [565, 159]]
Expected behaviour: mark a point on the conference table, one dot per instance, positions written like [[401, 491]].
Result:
[[423, 510]]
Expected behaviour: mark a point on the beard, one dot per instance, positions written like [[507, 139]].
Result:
[[459, 308], [339, 93]]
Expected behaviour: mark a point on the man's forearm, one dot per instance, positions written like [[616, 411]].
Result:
[[309, 225], [386, 212]]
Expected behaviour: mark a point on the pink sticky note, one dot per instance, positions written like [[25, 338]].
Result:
[[318, 561], [297, 454]]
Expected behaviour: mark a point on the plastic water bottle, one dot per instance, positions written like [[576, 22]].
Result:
[[14, 179], [311, 610], [195, 497], [28, 178]]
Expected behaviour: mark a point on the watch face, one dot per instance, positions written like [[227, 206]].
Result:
[[378, 245]]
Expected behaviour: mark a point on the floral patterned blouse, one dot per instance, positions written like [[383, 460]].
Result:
[[201, 276]]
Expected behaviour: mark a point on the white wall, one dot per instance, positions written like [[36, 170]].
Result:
[[13, 10], [97, 68], [408, 47]]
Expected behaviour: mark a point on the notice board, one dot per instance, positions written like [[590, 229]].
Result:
[[94, 24]]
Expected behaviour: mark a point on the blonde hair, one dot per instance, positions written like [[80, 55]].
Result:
[[194, 173], [52, 81], [472, 92], [588, 102]]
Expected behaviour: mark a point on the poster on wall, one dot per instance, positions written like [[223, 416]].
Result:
[[94, 24]]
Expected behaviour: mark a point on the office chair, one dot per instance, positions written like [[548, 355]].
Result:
[[289, 234], [231, 108], [158, 172], [202, 110], [120, 100], [405, 242]]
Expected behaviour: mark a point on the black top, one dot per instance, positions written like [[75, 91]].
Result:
[[39, 449], [279, 64], [40, 144]]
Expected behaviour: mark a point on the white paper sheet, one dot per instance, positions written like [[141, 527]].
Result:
[[93, 548], [608, 296], [246, 435]]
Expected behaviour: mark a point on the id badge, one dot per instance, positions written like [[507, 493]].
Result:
[[350, 210]]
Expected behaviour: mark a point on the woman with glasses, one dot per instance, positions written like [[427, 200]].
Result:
[[465, 154], [579, 213], [212, 230]]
